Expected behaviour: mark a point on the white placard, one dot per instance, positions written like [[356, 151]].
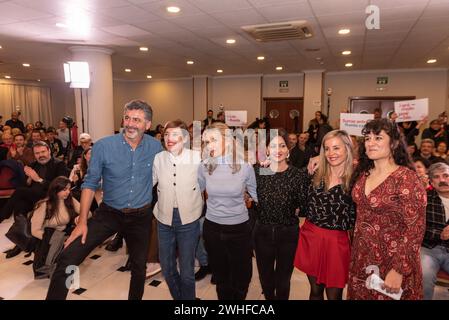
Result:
[[353, 123], [236, 118], [412, 110]]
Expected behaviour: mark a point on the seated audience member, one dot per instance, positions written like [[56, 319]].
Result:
[[441, 150], [63, 135], [296, 156], [54, 143], [85, 143], [421, 166], [35, 137], [40, 174], [77, 175], [39, 125], [435, 246], [412, 150], [20, 152], [28, 129], [426, 151], [52, 220], [7, 140], [435, 132]]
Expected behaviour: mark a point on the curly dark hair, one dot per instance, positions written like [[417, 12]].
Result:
[[397, 146]]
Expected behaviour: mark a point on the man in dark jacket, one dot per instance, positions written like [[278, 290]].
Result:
[[14, 122], [39, 176]]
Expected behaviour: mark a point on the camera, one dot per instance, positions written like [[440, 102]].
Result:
[[68, 121]]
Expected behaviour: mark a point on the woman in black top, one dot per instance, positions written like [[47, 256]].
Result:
[[323, 251], [277, 227]]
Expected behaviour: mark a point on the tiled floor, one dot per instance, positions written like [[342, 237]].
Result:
[[102, 281]]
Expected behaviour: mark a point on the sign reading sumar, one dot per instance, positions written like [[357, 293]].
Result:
[[412, 110], [353, 123]]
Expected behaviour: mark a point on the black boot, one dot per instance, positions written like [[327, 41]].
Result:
[[115, 243], [13, 252], [202, 272]]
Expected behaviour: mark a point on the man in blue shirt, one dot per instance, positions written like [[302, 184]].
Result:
[[123, 164]]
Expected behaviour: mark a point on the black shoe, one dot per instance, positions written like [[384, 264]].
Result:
[[212, 280], [115, 244], [202, 272], [13, 252]]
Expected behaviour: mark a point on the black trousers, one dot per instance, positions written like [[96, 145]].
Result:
[[107, 221], [229, 251], [275, 247], [22, 201]]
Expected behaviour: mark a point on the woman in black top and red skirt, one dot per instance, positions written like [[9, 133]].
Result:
[[277, 226], [323, 251]]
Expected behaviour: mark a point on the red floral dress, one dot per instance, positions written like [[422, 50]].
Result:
[[389, 229]]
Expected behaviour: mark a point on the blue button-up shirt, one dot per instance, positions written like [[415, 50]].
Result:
[[125, 174]]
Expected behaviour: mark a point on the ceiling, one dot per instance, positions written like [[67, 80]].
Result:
[[411, 32]]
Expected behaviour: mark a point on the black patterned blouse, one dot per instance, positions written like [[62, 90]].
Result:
[[278, 195], [333, 209]]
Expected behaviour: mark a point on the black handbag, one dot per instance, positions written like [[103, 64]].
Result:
[[20, 233]]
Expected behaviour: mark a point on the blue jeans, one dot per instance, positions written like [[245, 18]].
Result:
[[201, 254], [185, 239], [432, 260]]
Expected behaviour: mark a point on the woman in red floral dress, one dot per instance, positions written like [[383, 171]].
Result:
[[390, 224]]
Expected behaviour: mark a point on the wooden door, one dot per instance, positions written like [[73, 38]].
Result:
[[285, 113]]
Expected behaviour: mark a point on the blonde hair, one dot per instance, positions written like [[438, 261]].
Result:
[[226, 134], [323, 173]]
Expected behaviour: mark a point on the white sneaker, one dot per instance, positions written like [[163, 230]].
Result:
[[152, 269]]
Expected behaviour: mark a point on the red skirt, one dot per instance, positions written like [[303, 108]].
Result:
[[324, 254]]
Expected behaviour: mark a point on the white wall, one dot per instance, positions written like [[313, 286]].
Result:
[[237, 93], [169, 99], [425, 83]]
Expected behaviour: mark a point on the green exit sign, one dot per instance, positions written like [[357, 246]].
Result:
[[283, 84], [382, 80]]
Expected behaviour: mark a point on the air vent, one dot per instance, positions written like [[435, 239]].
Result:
[[290, 30]]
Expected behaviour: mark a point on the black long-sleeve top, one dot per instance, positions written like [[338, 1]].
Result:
[[278, 194], [332, 209]]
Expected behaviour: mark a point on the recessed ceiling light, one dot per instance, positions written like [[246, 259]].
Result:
[[220, 71], [143, 49], [0, 47], [279, 68], [38, 80], [349, 64], [61, 25], [344, 31], [190, 62], [173, 9], [431, 60], [25, 64], [230, 41], [8, 77], [346, 52], [127, 70], [260, 58], [149, 76]]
